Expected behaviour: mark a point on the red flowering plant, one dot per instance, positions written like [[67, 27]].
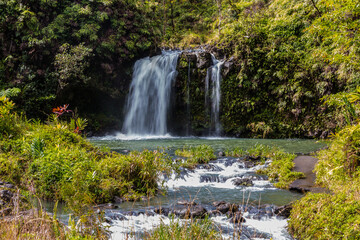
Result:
[[76, 123]]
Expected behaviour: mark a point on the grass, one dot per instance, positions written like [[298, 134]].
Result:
[[190, 229], [335, 215], [196, 155], [280, 169], [57, 163]]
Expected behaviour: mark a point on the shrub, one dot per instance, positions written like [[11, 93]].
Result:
[[325, 216], [190, 229], [196, 155]]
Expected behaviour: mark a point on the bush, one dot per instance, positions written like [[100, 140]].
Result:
[[196, 155], [325, 216], [190, 229]]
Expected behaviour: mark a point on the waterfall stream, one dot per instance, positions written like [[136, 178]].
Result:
[[148, 102], [149, 95], [206, 184]]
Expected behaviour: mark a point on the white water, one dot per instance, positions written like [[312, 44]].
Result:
[[190, 186], [216, 95], [149, 96], [214, 74]]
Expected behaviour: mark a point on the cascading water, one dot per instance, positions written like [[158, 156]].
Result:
[[149, 96], [215, 73]]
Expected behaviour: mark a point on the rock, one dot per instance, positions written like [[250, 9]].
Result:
[[283, 211], [210, 178], [221, 154], [228, 66], [237, 218], [163, 211], [218, 203], [243, 182], [203, 60], [197, 211], [210, 167], [184, 202], [118, 199], [115, 216], [228, 207]]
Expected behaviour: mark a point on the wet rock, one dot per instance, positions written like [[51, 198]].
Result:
[[115, 216], [106, 206], [163, 211], [119, 199], [210, 167], [197, 211], [185, 202], [221, 154], [210, 178], [237, 218], [247, 182], [228, 66], [227, 207], [283, 211], [252, 158], [230, 162], [218, 203], [203, 60]]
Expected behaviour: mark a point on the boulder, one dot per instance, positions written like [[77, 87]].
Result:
[[204, 60], [283, 211], [237, 218], [243, 182], [197, 211]]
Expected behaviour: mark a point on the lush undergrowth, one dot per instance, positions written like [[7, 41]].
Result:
[[336, 215], [57, 163], [191, 229], [39, 225], [195, 155], [279, 170]]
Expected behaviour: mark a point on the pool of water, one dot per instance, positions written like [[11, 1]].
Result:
[[124, 143]]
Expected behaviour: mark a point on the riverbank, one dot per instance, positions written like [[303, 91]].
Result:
[[332, 215]]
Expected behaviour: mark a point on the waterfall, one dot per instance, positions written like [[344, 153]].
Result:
[[188, 124], [214, 74], [149, 95]]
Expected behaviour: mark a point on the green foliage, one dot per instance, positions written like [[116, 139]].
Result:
[[280, 168], [191, 229], [195, 155], [336, 215], [61, 165], [50, 50], [340, 163], [10, 92], [325, 216], [71, 63]]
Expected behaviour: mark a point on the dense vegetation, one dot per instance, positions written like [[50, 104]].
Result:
[[292, 70], [58, 164], [335, 215], [285, 57], [58, 52]]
